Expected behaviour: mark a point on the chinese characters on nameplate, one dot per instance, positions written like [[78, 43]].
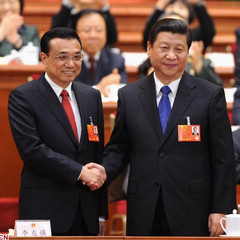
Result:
[[32, 228]]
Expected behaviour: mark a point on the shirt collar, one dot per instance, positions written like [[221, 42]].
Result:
[[173, 85], [57, 89], [86, 56]]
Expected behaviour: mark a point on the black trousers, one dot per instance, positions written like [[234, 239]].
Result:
[[160, 224], [78, 228]]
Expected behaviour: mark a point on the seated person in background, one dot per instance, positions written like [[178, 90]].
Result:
[[197, 64], [236, 102], [236, 142], [14, 34], [101, 66], [70, 8], [237, 58], [188, 9], [200, 66]]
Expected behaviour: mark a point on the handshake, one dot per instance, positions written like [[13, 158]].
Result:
[[93, 175]]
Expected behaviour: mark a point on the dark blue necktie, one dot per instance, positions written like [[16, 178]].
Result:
[[164, 107]]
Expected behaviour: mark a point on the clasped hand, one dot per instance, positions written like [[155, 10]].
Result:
[[93, 175]]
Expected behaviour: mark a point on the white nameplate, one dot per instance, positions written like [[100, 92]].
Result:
[[32, 228]]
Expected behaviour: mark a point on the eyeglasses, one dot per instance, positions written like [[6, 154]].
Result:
[[65, 58]]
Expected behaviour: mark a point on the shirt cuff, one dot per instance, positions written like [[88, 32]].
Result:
[[67, 4], [79, 176], [102, 219]]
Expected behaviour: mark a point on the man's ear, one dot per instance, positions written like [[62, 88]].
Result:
[[43, 57], [149, 48]]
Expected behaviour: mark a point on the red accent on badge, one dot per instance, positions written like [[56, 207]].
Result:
[[92, 133]]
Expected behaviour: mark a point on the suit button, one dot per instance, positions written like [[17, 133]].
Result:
[[162, 154]]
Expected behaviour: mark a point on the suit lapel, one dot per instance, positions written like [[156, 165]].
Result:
[[185, 94], [147, 96], [49, 98], [83, 109]]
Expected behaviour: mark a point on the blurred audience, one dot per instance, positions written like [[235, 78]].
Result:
[[70, 8], [102, 66], [198, 65], [14, 34], [237, 58], [188, 9], [236, 102]]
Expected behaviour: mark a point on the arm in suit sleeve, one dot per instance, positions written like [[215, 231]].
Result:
[[237, 58], [34, 152], [62, 18], [221, 155], [117, 151], [206, 31], [236, 107], [236, 141], [151, 20], [102, 192]]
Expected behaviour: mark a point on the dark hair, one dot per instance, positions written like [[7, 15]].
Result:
[[188, 5], [170, 25], [59, 32], [144, 67], [84, 12]]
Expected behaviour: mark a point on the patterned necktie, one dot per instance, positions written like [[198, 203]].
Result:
[[164, 107], [68, 109], [92, 67]]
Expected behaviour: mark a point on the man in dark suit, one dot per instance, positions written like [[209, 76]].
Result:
[[102, 66], [179, 184], [55, 156]]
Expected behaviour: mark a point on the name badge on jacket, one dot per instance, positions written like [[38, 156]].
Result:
[[189, 133], [92, 132]]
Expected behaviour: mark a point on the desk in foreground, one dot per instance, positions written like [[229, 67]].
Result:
[[123, 238]]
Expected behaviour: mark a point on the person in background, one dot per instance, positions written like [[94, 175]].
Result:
[[237, 58], [101, 66], [236, 142], [70, 8], [14, 34], [188, 9], [52, 121], [236, 101], [198, 64], [179, 184]]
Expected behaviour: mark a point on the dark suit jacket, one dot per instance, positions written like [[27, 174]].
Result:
[[107, 62], [195, 178], [236, 103], [52, 157], [236, 107], [237, 58], [236, 141]]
